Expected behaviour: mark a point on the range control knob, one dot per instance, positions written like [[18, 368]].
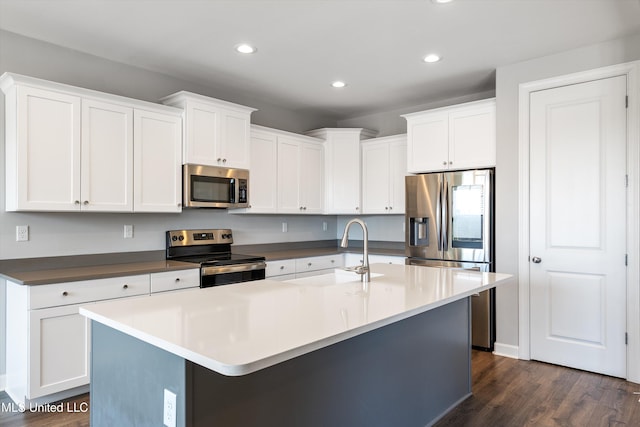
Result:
[[174, 238], [181, 238]]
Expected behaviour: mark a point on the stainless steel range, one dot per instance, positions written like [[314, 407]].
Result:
[[211, 248]]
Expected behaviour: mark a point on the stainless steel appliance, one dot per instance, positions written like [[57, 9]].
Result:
[[449, 224], [215, 187], [211, 249]]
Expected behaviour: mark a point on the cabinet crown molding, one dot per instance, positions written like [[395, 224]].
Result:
[[9, 80], [451, 108], [180, 98], [324, 133]]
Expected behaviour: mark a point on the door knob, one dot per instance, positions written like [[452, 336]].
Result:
[[536, 260]]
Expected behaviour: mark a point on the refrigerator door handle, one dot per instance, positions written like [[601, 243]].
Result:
[[445, 217], [438, 216]]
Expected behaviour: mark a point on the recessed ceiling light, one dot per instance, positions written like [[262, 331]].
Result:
[[245, 48], [441, 1], [432, 57], [338, 84]]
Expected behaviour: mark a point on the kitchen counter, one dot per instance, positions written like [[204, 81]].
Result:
[[306, 314], [322, 350], [47, 270], [93, 272]]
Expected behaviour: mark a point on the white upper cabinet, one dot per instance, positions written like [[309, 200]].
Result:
[[300, 175], [457, 137], [216, 132], [42, 149], [384, 166], [158, 162], [263, 175], [72, 149], [107, 157], [342, 168]]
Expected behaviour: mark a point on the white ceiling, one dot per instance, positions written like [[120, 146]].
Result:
[[376, 46]]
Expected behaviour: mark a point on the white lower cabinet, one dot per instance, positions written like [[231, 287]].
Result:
[[175, 280], [48, 340], [59, 349], [297, 268], [284, 269], [352, 259], [313, 266]]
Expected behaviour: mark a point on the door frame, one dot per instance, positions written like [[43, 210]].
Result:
[[632, 71]]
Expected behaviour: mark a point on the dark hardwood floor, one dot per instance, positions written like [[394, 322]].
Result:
[[506, 392], [509, 392]]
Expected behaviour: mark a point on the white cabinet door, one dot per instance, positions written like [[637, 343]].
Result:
[[428, 147], [263, 187], [397, 172], [472, 137], [384, 163], [343, 174], [288, 176], [311, 178], [107, 157], [234, 139], [43, 150], [375, 178], [59, 341], [300, 176], [201, 134], [158, 160]]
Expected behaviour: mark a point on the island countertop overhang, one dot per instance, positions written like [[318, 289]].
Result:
[[242, 328]]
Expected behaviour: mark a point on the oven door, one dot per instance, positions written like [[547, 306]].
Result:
[[227, 274]]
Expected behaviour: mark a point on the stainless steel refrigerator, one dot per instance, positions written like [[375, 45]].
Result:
[[449, 224]]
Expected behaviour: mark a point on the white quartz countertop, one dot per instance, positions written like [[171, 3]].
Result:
[[241, 328]]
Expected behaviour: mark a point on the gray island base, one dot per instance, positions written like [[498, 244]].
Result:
[[407, 373]]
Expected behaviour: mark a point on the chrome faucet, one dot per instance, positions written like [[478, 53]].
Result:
[[362, 270]]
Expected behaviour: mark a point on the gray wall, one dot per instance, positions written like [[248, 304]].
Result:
[[508, 79]]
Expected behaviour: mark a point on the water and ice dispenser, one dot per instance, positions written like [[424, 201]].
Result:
[[419, 231]]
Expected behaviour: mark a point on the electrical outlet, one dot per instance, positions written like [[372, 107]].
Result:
[[169, 412], [285, 227], [22, 233], [324, 225], [128, 231]]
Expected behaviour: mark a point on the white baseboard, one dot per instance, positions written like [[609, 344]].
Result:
[[506, 350]]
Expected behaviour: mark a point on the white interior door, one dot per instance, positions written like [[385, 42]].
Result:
[[577, 226]]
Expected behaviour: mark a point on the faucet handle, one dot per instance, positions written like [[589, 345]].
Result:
[[358, 269]]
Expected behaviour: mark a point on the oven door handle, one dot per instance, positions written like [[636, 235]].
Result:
[[235, 268]]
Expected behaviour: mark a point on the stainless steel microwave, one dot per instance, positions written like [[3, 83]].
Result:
[[215, 187]]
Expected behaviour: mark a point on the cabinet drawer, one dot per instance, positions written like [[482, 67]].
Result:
[[174, 280], [319, 263], [87, 290], [280, 267]]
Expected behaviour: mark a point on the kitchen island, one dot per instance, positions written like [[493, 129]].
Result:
[[323, 350]]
